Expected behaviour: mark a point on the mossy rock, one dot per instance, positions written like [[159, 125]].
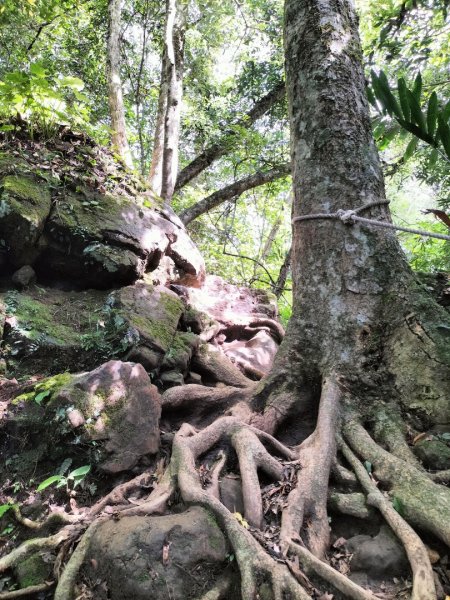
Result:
[[33, 571], [152, 311], [25, 203], [434, 454], [180, 352], [108, 417], [48, 331]]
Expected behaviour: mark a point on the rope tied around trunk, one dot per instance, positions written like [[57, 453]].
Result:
[[350, 217]]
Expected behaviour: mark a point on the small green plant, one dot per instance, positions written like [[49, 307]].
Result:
[[74, 478], [41, 99]]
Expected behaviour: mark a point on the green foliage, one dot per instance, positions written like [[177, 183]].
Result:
[[427, 254], [426, 120], [41, 99], [74, 478]]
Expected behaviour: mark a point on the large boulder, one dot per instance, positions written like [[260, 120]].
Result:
[[108, 417], [176, 556], [84, 219], [47, 331], [25, 203]]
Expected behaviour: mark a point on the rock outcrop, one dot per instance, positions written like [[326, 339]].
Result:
[[81, 219]]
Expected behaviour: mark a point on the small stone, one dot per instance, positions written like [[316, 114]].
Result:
[[76, 418], [433, 555], [194, 378], [24, 277], [231, 494], [433, 453], [380, 556], [172, 378], [149, 359]]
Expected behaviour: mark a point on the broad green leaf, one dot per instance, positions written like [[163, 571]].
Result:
[[410, 149], [38, 70], [49, 481], [391, 102], [416, 112], [444, 134], [432, 113], [446, 112], [423, 135], [80, 472], [417, 88], [4, 509], [75, 83], [39, 397], [403, 96]]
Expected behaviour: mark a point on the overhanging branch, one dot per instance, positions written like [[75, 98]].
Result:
[[234, 191], [221, 147]]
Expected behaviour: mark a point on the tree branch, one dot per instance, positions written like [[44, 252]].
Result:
[[219, 148], [234, 191]]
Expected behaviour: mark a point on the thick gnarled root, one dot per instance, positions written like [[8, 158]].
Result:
[[257, 568], [423, 579], [306, 511], [412, 487]]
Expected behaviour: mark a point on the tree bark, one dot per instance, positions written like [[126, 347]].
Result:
[[283, 274], [156, 167], [164, 166], [233, 190], [115, 95], [221, 147]]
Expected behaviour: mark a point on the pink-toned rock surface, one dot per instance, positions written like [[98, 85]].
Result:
[[120, 407]]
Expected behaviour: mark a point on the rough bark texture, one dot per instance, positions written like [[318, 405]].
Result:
[[115, 98], [352, 287], [175, 32], [219, 148], [363, 360], [283, 274], [156, 167], [233, 190]]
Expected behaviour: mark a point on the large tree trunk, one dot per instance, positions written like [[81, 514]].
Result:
[[115, 96], [365, 341]]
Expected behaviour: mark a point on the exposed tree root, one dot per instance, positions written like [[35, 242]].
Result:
[[220, 588], [389, 430], [31, 590], [316, 568], [353, 505], [66, 583], [307, 503], [412, 487], [219, 367], [117, 495], [304, 526], [423, 579], [256, 567], [35, 545], [55, 518]]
